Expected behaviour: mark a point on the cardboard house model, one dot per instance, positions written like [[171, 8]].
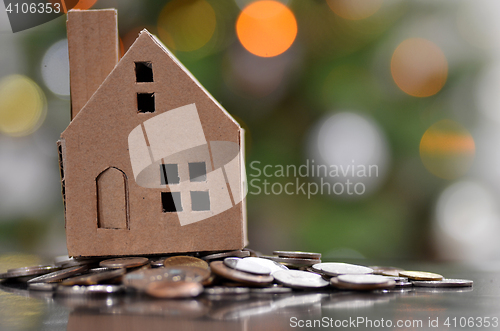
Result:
[[151, 163]]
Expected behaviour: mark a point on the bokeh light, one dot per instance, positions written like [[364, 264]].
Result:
[[487, 92], [266, 28], [467, 222], [29, 181], [55, 68], [478, 23], [22, 105], [447, 149], [351, 141], [186, 25], [419, 67], [354, 9], [85, 4], [256, 76]]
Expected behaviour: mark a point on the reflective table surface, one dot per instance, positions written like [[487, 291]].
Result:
[[411, 308]]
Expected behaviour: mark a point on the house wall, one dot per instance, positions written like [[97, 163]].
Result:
[[97, 139]]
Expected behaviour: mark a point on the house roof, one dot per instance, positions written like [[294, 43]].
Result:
[[144, 40]]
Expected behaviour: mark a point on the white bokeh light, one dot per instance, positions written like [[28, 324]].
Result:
[[55, 68], [467, 222], [28, 179], [487, 92], [478, 23], [347, 140]]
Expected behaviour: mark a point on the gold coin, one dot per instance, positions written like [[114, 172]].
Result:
[[420, 275], [188, 261], [140, 279], [124, 262], [94, 278], [174, 290]]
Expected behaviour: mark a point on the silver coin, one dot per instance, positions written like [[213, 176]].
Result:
[[73, 262], [29, 271], [271, 290], [222, 290], [443, 283], [42, 286], [100, 269], [246, 266], [363, 279], [300, 279], [58, 275], [403, 284], [293, 262], [252, 252], [364, 282], [270, 264], [220, 269], [386, 271], [157, 262], [223, 255], [398, 279], [79, 290], [420, 289], [337, 268], [298, 255]]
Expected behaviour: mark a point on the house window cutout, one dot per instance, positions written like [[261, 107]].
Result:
[[145, 102], [169, 174], [198, 172], [143, 72], [171, 202], [200, 200]]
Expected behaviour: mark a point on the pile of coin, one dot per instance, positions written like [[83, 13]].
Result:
[[227, 274]]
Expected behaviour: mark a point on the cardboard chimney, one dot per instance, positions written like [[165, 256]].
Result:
[[151, 163]]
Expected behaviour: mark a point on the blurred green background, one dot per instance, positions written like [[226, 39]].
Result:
[[408, 88]]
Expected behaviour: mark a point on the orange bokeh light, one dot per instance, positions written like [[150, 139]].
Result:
[[85, 4], [419, 67], [354, 9], [447, 149], [266, 28], [82, 4]]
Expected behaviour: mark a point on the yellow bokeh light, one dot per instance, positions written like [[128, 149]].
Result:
[[266, 28], [354, 9], [22, 105], [419, 67], [447, 149], [186, 25]]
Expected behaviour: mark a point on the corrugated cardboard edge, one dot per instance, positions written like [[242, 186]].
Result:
[[61, 151], [243, 188]]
